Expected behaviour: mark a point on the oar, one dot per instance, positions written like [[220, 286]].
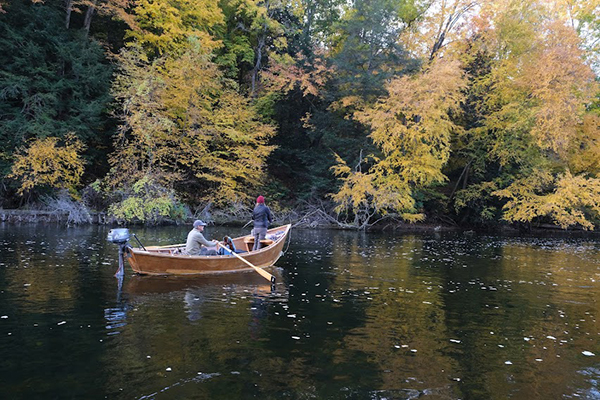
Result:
[[261, 271]]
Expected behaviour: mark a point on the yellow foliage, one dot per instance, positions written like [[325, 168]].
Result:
[[539, 85], [146, 201], [412, 125], [442, 24], [46, 163], [181, 122], [165, 26], [562, 84], [367, 194], [284, 74], [584, 154], [238, 149], [568, 200]]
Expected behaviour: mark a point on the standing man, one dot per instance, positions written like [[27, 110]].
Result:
[[196, 242], [262, 217]]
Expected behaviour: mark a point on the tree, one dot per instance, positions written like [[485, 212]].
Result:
[[444, 21], [353, 52], [412, 128], [186, 129], [112, 8], [53, 82], [534, 98], [49, 164], [583, 17], [566, 199], [146, 201], [163, 27], [366, 51], [254, 31]]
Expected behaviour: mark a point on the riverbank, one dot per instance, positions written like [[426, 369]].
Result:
[[44, 216], [19, 217]]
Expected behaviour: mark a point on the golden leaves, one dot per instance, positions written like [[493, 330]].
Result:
[[165, 26], [49, 163], [412, 125], [567, 199], [180, 121], [584, 154], [562, 85]]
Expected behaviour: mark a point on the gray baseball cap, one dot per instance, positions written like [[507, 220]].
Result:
[[198, 223]]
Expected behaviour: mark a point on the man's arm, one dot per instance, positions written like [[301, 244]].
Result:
[[202, 240]]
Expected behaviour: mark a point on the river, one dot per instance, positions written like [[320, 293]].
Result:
[[353, 316]]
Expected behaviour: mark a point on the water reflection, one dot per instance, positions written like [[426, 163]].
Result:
[[116, 316], [353, 316]]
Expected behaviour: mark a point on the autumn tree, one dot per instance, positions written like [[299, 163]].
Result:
[[49, 164], [532, 110], [412, 128], [345, 62], [437, 24], [184, 126], [88, 8], [165, 26]]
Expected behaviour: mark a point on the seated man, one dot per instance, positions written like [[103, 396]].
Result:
[[196, 243]]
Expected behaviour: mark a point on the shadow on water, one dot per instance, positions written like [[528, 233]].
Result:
[[353, 316]]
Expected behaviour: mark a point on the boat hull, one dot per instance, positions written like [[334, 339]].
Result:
[[165, 260]]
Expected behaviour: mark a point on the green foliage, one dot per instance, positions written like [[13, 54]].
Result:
[[53, 82], [148, 202]]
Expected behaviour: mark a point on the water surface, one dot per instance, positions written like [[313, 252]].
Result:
[[353, 316]]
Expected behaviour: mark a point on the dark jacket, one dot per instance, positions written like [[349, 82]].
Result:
[[261, 216]]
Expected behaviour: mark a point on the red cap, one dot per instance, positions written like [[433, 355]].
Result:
[[260, 199]]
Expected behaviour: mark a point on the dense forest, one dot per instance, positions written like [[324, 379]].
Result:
[[467, 113]]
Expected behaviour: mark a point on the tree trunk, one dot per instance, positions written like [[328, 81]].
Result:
[[453, 18], [257, 66], [259, 50], [466, 179], [310, 13], [69, 6], [87, 22], [464, 173]]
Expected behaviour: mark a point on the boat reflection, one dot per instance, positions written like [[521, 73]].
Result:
[[145, 285]]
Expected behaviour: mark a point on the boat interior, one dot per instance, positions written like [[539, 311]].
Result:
[[242, 244]]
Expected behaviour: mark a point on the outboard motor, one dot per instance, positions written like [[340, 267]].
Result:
[[121, 238]]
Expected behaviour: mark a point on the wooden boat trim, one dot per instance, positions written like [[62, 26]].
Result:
[[157, 260]]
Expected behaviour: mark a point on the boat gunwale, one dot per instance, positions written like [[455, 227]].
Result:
[[139, 251]]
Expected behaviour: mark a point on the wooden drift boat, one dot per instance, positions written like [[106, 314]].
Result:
[[169, 260]]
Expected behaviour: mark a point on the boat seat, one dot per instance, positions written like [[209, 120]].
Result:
[[249, 241], [266, 242]]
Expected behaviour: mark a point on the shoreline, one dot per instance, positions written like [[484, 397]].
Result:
[[18, 217]]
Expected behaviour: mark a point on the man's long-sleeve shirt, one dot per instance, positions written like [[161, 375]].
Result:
[[195, 241]]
